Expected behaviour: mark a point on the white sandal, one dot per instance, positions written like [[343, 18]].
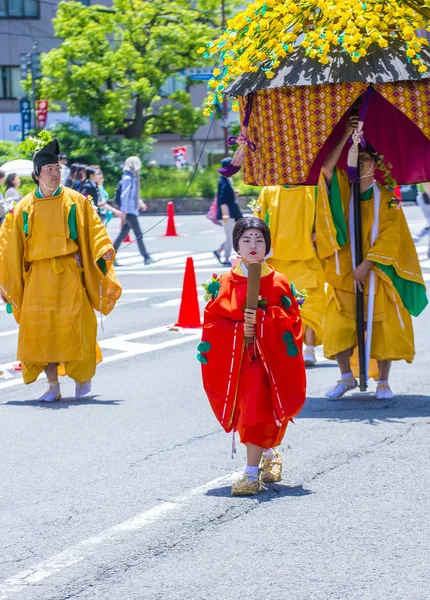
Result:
[[82, 389], [342, 386], [53, 392]]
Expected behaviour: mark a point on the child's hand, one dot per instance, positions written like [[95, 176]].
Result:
[[249, 330], [250, 316]]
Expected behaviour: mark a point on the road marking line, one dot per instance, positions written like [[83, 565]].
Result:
[[173, 302], [87, 548], [5, 333], [187, 335], [212, 269]]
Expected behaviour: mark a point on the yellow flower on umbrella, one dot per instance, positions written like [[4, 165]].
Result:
[[263, 34]]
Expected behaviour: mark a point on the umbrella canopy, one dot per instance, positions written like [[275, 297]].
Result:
[[307, 108], [379, 66], [21, 167]]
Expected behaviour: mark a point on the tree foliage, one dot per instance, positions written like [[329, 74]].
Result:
[[113, 62]]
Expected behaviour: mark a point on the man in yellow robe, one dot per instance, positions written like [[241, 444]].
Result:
[[55, 270], [290, 214], [388, 251]]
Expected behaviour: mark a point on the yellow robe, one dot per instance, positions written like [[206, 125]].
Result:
[[290, 215], [52, 275], [395, 264]]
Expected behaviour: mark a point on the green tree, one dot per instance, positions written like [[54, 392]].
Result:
[[113, 62]]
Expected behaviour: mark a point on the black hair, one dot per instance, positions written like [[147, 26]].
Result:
[[2, 174], [251, 223], [89, 171], [9, 180]]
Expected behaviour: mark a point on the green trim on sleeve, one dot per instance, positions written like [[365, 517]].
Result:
[[71, 221], [336, 206], [413, 294], [101, 263], [25, 220]]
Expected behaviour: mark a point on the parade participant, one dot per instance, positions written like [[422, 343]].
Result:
[[254, 388], [55, 270], [290, 213], [388, 251]]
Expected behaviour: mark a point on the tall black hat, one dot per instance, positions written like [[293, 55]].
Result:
[[47, 155]]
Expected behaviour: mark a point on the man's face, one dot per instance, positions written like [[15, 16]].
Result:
[[51, 175], [367, 164], [63, 161]]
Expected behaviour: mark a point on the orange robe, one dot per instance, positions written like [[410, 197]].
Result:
[[255, 390]]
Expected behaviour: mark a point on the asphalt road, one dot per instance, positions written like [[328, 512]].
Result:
[[125, 495]]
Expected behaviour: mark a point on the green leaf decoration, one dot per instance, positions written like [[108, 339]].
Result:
[[293, 289], [34, 143], [213, 288], [202, 359], [288, 337], [9, 308], [204, 347], [286, 301], [292, 350]]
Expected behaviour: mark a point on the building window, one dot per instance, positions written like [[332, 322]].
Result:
[[19, 9], [173, 84], [10, 83]]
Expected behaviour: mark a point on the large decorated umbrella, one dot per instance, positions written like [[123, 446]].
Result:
[[298, 68]]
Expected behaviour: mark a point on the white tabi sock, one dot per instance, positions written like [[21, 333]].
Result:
[[252, 472], [270, 453], [347, 375]]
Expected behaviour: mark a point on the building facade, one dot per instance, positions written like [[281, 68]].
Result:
[[26, 26]]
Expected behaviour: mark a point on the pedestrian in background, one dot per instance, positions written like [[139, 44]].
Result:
[[2, 200], [423, 201], [90, 187], [131, 205], [80, 176], [12, 194], [65, 170], [228, 213]]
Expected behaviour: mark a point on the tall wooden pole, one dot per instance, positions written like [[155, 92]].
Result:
[[224, 101]]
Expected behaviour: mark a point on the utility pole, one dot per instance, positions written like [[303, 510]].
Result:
[[224, 118]]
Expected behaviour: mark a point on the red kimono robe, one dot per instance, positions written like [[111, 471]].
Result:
[[255, 390]]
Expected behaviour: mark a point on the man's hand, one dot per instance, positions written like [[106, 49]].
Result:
[[143, 207], [351, 125], [361, 273], [109, 255], [5, 300]]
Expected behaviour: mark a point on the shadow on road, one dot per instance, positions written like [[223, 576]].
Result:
[[64, 403], [273, 492], [366, 409]]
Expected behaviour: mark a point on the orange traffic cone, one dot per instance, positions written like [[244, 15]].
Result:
[[128, 238], [171, 229], [189, 312]]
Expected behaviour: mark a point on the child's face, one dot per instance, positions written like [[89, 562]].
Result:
[[252, 247]]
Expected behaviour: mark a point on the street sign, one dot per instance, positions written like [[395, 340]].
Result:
[[199, 73], [25, 117]]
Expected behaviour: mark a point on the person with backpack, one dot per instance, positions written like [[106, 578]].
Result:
[[130, 205], [228, 212]]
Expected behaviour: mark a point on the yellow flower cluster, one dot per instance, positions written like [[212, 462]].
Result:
[[260, 36]]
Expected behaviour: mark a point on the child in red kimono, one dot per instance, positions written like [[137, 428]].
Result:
[[254, 389]]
